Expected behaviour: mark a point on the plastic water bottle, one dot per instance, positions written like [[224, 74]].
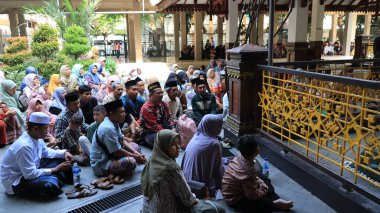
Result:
[[76, 173], [266, 167]]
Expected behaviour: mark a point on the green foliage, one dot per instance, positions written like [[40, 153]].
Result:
[[48, 68], [86, 63], [16, 44], [105, 24], [50, 8], [16, 58], [75, 41], [83, 15], [15, 73], [16, 52], [45, 43], [110, 65]]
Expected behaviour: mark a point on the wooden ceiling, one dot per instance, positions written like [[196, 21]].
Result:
[[372, 6], [105, 5]]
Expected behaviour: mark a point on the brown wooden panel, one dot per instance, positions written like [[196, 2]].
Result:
[[235, 98]]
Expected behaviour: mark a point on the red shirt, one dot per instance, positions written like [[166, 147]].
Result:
[[154, 118]]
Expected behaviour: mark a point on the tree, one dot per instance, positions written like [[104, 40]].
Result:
[[75, 41], [82, 16], [157, 28], [104, 25], [45, 43], [51, 9], [16, 53]]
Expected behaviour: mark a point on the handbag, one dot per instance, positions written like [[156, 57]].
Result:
[[24, 101], [207, 206]]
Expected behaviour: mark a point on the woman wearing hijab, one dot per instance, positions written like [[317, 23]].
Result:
[[78, 71], [174, 68], [182, 80], [163, 184], [93, 78], [28, 70], [36, 105], [9, 98], [67, 80], [213, 81], [33, 86], [58, 104], [54, 83], [221, 65], [202, 160], [110, 80], [10, 130]]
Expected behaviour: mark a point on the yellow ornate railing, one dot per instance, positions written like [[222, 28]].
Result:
[[368, 69], [332, 120]]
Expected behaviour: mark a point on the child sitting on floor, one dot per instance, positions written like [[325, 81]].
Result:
[[99, 113], [70, 141]]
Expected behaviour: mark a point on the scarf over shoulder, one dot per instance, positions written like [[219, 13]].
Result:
[[159, 163]]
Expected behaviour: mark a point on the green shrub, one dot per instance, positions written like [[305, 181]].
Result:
[[16, 51], [15, 58], [64, 59], [15, 73], [45, 43], [16, 44], [75, 41], [110, 66], [48, 68]]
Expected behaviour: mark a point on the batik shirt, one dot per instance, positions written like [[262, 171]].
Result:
[[155, 118]]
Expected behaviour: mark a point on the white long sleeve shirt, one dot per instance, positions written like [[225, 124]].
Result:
[[23, 158]]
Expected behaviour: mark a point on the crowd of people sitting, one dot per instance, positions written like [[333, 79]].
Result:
[[329, 48], [209, 51], [101, 121]]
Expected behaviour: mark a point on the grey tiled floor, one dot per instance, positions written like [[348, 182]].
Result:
[[304, 201]]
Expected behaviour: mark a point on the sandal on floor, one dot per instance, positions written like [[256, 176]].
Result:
[[118, 180], [106, 185], [111, 178], [100, 180], [226, 145], [83, 193], [78, 187]]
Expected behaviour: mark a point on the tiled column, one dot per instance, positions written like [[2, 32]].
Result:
[[176, 35], [198, 18]]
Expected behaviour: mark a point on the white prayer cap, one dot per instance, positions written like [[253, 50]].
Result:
[[39, 118]]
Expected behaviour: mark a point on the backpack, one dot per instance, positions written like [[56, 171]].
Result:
[[186, 129]]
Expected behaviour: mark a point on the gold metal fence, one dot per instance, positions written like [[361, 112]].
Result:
[[368, 69], [332, 120]]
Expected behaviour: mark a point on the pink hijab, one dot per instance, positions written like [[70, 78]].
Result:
[[110, 79], [32, 108]]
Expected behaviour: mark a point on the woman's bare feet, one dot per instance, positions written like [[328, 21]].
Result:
[[283, 204]]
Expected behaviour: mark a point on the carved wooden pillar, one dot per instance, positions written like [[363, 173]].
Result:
[[244, 85]]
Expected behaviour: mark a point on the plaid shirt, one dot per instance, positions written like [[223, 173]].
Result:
[[62, 122], [70, 141], [154, 118]]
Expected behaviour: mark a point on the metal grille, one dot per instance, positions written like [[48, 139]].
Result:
[[111, 201], [332, 120]]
